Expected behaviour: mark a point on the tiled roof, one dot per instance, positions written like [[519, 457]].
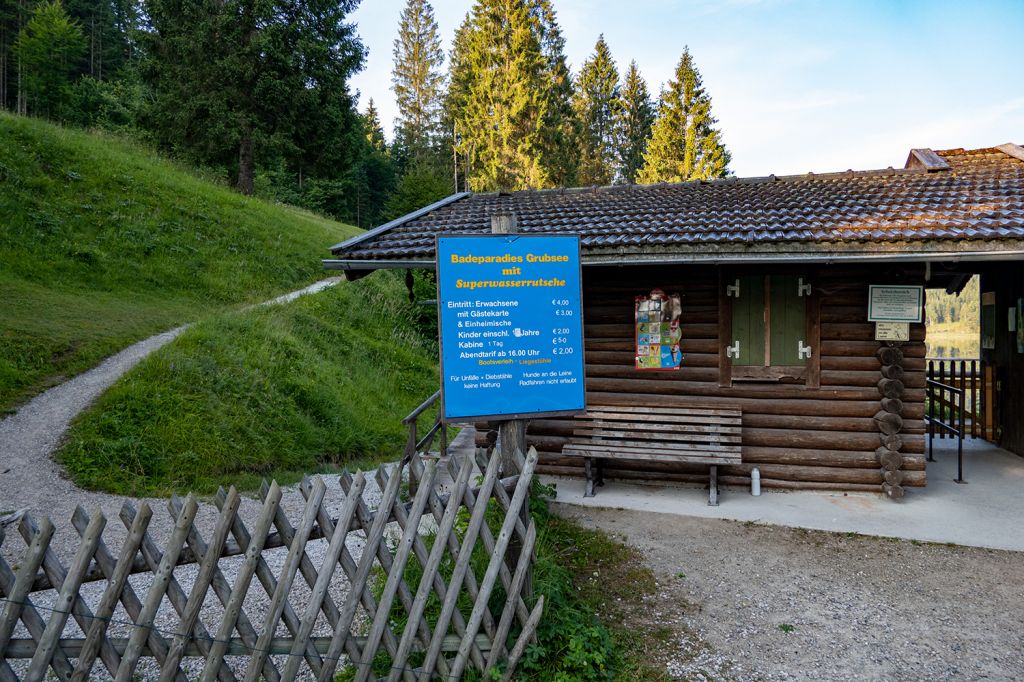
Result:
[[976, 196]]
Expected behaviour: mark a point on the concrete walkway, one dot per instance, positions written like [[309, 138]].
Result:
[[29, 478], [988, 511]]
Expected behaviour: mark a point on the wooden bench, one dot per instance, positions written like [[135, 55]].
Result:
[[660, 434]]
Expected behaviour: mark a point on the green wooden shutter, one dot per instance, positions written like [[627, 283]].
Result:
[[748, 321], [788, 320]]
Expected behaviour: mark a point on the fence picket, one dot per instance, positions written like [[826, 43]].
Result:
[[497, 562], [396, 574], [374, 535], [349, 568], [453, 545], [23, 581], [528, 633], [279, 599], [385, 559], [163, 576], [431, 578], [39, 568], [68, 595], [323, 581], [253, 545], [518, 581], [108, 602], [487, 538], [209, 554], [458, 622], [131, 602], [29, 616], [476, 522]]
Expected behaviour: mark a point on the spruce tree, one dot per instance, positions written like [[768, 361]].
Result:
[[417, 81], [238, 80], [636, 116], [596, 105], [49, 50], [559, 126], [499, 93], [459, 75], [685, 145], [372, 128]]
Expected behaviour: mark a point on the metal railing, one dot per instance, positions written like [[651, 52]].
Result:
[[941, 396], [974, 376]]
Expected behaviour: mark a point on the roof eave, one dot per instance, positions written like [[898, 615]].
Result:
[[764, 252], [408, 217]]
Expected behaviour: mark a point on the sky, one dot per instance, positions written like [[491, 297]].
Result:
[[797, 85]]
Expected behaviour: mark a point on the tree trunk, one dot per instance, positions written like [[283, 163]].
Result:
[[245, 162]]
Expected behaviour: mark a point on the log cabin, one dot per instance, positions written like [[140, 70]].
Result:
[[773, 275]]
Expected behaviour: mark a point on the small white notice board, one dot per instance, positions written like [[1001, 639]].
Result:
[[895, 303], [892, 331]]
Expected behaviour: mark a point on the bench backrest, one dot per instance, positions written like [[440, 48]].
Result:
[[638, 432]]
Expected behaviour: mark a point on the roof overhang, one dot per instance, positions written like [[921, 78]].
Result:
[[938, 251], [408, 217]]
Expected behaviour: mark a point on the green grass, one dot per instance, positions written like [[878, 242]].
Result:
[[592, 585], [276, 391], [103, 243]]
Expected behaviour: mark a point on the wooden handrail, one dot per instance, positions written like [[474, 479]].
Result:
[[422, 408]]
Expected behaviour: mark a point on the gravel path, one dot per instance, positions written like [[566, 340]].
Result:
[[29, 478], [756, 602]]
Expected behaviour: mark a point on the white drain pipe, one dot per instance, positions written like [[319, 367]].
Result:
[[755, 482]]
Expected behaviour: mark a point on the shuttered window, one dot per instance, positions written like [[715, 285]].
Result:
[[769, 333]]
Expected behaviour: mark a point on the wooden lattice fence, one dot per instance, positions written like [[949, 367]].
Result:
[[455, 615]]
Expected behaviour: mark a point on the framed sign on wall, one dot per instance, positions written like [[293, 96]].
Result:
[[895, 303]]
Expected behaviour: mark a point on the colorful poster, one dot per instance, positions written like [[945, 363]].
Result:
[[657, 331]]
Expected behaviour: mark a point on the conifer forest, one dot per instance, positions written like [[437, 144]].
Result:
[[258, 94]]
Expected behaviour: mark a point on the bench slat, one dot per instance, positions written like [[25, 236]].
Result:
[[639, 409], [660, 418], [652, 455], [683, 448], [652, 430], [584, 435]]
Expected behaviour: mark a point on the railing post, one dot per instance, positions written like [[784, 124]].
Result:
[[960, 444], [930, 399], [974, 398]]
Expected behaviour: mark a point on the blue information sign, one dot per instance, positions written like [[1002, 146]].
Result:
[[511, 326]]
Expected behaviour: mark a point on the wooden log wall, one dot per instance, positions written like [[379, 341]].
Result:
[[799, 437]]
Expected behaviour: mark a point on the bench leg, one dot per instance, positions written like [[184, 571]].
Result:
[[713, 487], [599, 464], [588, 467]]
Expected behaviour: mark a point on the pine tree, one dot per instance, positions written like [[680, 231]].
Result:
[[418, 81], [500, 85], [460, 75], [636, 116], [372, 128], [236, 80], [559, 127], [684, 143], [596, 104], [49, 49]]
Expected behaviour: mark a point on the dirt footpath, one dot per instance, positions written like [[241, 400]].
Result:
[[760, 602]]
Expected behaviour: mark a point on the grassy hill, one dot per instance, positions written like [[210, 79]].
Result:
[[103, 243], [274, 391]]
